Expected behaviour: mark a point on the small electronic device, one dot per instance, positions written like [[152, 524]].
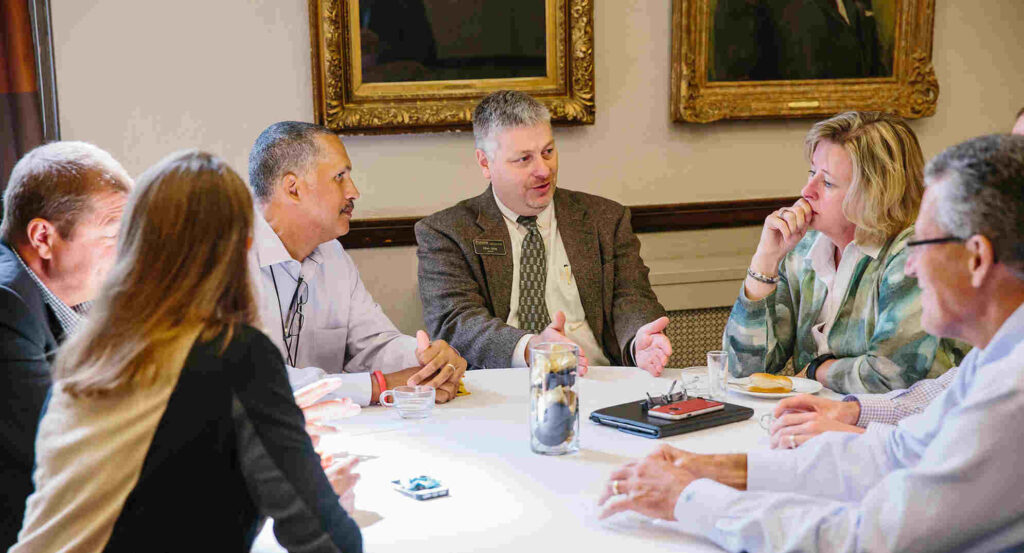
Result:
[[420, 487], [685, 409]]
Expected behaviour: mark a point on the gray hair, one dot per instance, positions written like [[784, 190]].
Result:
[[58, 182], [284, 147], [505, 109], [982, 192]]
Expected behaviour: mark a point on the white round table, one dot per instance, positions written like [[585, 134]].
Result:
[[504, 497]]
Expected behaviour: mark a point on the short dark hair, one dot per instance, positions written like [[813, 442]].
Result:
[[284, 147], [58, 182], [982, 193], [1020, 112]]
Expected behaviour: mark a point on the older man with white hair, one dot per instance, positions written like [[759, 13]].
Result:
[[943, 480]]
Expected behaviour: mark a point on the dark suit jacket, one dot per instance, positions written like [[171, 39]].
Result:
[[466, 296], [796, 39], [29, 334]]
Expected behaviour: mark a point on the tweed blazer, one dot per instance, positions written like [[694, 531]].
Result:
[[466, 296]]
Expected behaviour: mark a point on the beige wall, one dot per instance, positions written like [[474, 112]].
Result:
[[142, 79]]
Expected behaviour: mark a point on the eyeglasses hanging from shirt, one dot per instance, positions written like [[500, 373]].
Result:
[[291, 325]]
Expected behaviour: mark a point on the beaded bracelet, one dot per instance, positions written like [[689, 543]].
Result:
[[762, 278]]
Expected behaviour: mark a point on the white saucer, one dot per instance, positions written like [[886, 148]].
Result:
[[800, 386]]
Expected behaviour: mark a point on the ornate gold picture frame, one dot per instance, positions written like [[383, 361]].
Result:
[[345, 103], [905, 84]]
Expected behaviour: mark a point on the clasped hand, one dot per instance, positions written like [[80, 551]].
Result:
[[441, 367], [802, 417]]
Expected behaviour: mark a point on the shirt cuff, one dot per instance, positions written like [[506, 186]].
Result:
[[872, 409], [518, 360], [701, 505], [356, 387], [765, 466]]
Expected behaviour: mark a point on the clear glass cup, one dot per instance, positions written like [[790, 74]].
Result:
[[554, 403], [718, 374], [412, 402]]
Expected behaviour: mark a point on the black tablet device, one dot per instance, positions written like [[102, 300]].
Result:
[[633, 418]]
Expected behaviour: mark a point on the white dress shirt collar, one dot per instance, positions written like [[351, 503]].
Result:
[[822, 253], [270, 249], [544, 218]]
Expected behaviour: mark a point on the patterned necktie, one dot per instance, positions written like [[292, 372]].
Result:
[[533, 311]]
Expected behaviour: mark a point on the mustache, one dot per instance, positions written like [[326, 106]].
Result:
[[349, 207]]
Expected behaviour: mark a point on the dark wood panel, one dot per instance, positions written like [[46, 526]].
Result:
[[382, 233]]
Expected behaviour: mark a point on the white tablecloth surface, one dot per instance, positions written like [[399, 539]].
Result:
[[503, 497]]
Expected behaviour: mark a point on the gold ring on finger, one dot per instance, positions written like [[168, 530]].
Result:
[[792, 441], [615, 487]]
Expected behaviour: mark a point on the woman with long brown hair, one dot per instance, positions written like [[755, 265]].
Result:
[[171, 423]]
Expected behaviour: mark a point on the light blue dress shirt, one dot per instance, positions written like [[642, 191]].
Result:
[[344, 330], [948, 479]]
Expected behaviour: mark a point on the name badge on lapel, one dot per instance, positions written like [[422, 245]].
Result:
[[488, 247]]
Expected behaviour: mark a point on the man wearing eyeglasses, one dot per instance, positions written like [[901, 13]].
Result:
[[943, 480], [312, 302]]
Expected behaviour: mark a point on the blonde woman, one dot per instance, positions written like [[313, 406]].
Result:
[[826, 285], [171, 425]]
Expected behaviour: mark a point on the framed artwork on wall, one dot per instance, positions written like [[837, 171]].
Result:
[[755, 59], [401, 66]]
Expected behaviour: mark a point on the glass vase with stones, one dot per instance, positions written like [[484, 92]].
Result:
[[554, 402]]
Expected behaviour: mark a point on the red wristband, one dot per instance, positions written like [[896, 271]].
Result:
[[381, 383]]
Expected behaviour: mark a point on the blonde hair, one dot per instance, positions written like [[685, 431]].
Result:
[[888, 171], [181, 273]]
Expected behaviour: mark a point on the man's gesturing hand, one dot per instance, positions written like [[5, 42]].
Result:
[[555, 332], [652, 346]]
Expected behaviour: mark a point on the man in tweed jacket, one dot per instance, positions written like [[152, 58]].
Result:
[[594, 285]]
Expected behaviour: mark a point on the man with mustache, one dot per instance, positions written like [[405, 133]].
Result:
[[525, 263], [313, 304]]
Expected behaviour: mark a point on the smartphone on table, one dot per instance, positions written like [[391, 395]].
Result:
[[686, 409]]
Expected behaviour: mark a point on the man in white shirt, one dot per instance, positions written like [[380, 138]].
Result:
[[943, 480], [526, 263], [313, 304]]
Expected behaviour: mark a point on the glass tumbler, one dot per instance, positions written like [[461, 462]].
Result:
[[718, 374], [554, 403]]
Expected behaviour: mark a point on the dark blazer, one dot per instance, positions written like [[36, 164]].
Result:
[[466, 295], [29, 334], [796, 39]]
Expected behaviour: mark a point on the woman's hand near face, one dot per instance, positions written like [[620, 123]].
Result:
[[782, 230]]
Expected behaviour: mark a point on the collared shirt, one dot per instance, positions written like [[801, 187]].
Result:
[[876, 333], [343, 330], [69, 317], [560, 292], [897, 405], [943, 480], [822, 257]]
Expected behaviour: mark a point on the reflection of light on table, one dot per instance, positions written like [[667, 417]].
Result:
[[503, 497]]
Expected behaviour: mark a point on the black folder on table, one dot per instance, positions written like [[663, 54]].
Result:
[[633, 418]]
